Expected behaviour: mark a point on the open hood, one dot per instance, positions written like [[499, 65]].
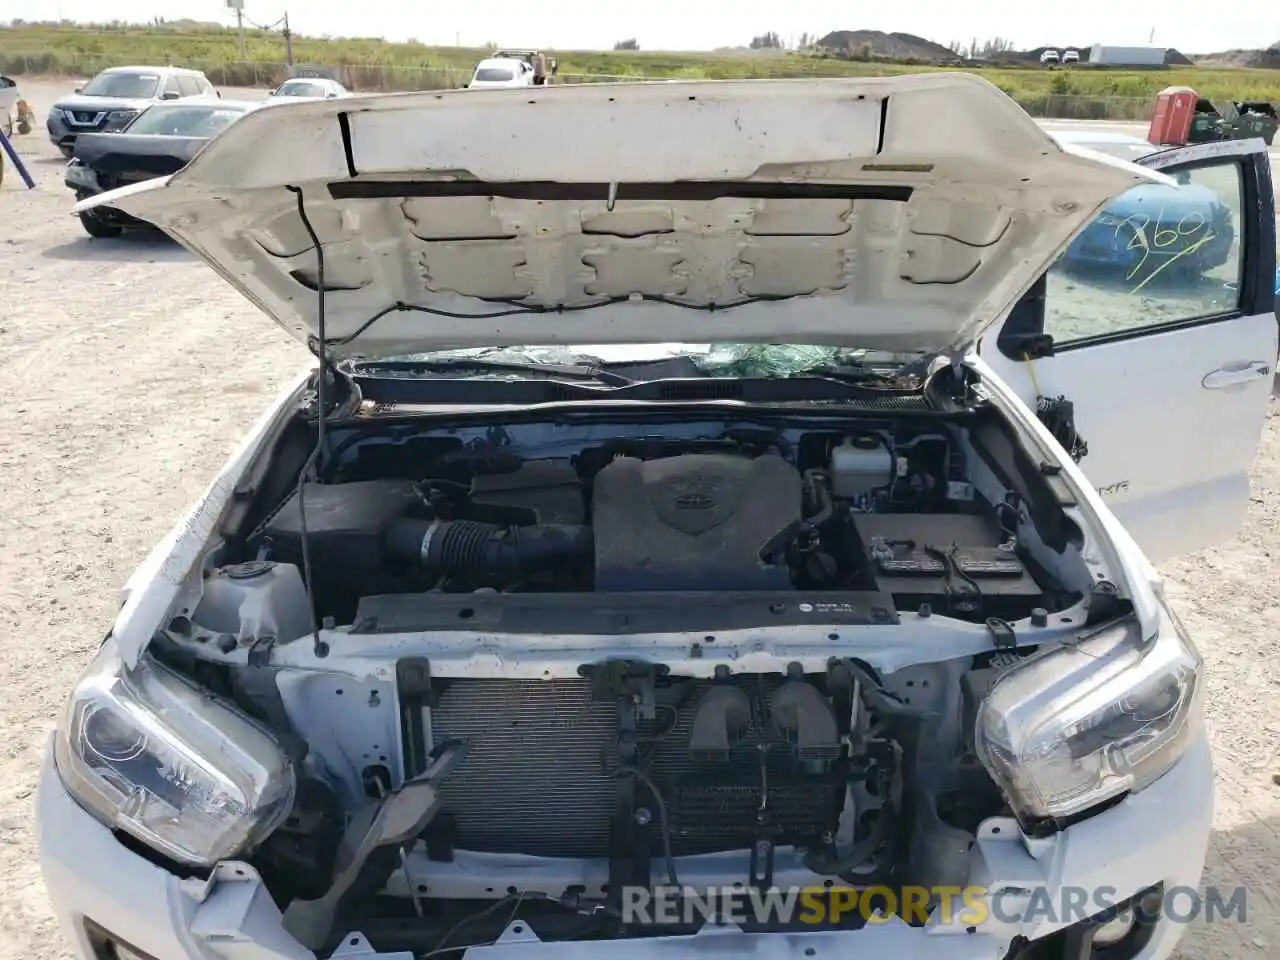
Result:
[[898, 213]]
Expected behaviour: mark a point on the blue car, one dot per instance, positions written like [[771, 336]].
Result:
[[1151, 227]]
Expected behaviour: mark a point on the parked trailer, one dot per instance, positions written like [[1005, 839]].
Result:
[[1104, 55]]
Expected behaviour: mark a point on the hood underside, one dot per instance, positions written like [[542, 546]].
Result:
[[900, 213]]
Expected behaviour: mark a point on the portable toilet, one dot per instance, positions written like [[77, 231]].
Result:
[[1171, 121]]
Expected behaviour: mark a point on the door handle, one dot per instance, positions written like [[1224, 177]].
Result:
[[1231, 374]]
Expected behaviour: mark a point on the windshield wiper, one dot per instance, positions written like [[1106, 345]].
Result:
[[857, 374], [548, 371]]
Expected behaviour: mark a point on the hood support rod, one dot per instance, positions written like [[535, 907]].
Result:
[[320, 342], [314, 468]]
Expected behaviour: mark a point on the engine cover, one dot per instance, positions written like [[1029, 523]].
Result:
[[692, 522]]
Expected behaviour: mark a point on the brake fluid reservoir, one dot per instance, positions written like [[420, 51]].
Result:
[[859, 465]]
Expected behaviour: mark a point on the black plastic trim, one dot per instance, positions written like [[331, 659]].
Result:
[[621, 614], [344, 127], [104, 943], [540, 389], [695, 191]]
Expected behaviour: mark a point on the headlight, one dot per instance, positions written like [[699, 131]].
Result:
[[146, 751], [118, 119], [1081, 724]]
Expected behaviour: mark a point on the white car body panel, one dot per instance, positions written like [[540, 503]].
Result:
[[154, 587], [521, 74], [1194, 401], [1161, 834], [1158, 835], [991, 200], [331, 90]]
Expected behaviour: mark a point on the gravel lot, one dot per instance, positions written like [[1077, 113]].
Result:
[[132, 372]]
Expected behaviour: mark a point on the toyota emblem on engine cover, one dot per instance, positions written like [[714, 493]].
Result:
[[696, 492]]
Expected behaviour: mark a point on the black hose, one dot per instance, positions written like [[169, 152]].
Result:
[[464, 548], [831, 862], [875, 696], [816, 482], [776, 547]]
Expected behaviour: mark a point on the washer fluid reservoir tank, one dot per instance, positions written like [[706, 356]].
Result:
[[860, 465]]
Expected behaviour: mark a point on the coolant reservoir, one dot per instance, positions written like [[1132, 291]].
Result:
[[253, 600], [859, 465]]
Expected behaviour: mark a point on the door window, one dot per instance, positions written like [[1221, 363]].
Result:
[[171, 88], [189, 86], [1156, 255]]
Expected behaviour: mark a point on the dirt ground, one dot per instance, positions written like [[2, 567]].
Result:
[[131, 373]]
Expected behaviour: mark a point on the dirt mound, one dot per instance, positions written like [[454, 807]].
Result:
[[1268, 59], [884, 46]]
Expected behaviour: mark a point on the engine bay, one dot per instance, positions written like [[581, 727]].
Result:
[[719, 763], [887, 511]]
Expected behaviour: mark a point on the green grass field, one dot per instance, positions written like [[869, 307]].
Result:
[[374, 64]]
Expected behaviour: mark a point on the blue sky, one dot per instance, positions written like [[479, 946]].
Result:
[[1190, 25]]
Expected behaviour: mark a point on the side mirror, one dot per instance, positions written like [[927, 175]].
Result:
[[78, 90], [170, 95], [554, 66]]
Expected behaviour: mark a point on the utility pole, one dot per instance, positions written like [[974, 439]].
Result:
[[238, 7], [288, 39]]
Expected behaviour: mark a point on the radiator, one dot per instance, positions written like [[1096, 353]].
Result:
[[537, 777]]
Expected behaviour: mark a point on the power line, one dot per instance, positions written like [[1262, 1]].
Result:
[[282, 24], [283, 21]]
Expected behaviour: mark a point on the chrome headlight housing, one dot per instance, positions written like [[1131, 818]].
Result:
[[148, 752], [1080, 724]]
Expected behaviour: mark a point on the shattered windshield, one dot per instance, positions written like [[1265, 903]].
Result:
[[754, 360]]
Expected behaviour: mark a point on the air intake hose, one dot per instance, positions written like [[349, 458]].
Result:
[[466, 547]]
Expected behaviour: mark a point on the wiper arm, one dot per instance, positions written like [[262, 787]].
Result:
[[895, 380], [550, 371]]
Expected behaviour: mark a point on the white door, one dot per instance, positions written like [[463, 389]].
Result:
[[1162, 325]]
